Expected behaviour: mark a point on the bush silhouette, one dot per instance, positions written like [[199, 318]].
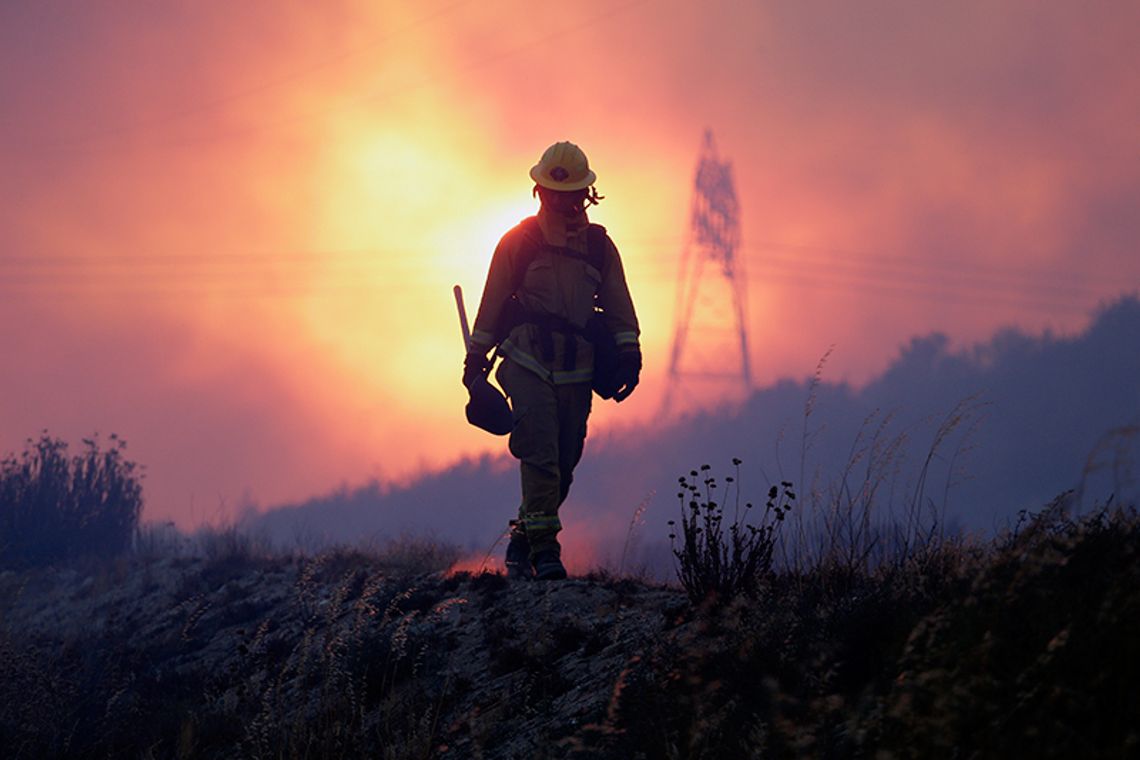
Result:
[[53, 507], [711, 562]]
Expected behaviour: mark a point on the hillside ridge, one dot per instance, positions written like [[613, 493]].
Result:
[[1022, 645]]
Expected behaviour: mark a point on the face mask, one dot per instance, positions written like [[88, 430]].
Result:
[[567, 204]]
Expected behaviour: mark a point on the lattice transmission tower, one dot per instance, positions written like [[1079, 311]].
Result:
[[710, 336]]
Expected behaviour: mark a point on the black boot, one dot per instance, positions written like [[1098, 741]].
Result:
[[518, 554], [548, 566]]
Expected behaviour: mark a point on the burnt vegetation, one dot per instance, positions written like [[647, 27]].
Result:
[[873, 638]]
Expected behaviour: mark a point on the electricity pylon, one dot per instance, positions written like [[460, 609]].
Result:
[[711, 310]]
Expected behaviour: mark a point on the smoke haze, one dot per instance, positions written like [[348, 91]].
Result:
[[229, 232], [1012, 423]]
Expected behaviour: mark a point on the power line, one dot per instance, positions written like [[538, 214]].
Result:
[[975, 286], [300, 274], [887, 264], [925, 292], [1056, 279], [352, 261], [337, 281]]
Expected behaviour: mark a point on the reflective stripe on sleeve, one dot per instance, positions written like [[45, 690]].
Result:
[[628, 338], [482, 338]]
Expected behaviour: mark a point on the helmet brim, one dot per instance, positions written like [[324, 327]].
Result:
[[550, 184]]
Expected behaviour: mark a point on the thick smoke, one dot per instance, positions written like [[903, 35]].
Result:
[[961, 440]]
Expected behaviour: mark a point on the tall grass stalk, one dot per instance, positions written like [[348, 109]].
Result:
[[634, 521]]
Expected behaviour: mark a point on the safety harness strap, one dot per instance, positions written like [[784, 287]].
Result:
[[548, 324]]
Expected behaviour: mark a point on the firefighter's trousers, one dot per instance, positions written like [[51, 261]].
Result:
[[548, 437]]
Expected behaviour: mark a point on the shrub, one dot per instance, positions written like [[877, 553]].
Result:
[[710, 562], [53, 507], [1037, 656]]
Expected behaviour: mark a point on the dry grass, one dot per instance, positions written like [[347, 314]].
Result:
[[1022, 647], [55, 507], [1017, 645], [867, 630]]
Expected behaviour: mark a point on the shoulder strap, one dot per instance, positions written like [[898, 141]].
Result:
[[596, 239], [531, 244]]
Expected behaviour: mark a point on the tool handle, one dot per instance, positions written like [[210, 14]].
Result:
[[462, 317]]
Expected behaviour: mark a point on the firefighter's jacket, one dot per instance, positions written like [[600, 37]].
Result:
[[558, 287]]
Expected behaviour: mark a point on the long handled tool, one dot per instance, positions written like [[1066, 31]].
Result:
[[487, 408], [462, 317]]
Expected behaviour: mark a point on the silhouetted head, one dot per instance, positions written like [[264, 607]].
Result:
[[564, 181]]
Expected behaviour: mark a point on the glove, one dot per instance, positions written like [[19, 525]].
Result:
[[628, 373], [475, 365]]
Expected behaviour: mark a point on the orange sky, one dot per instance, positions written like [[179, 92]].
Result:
[[230, 232]]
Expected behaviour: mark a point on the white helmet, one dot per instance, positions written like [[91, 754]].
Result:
[[563, 167]]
